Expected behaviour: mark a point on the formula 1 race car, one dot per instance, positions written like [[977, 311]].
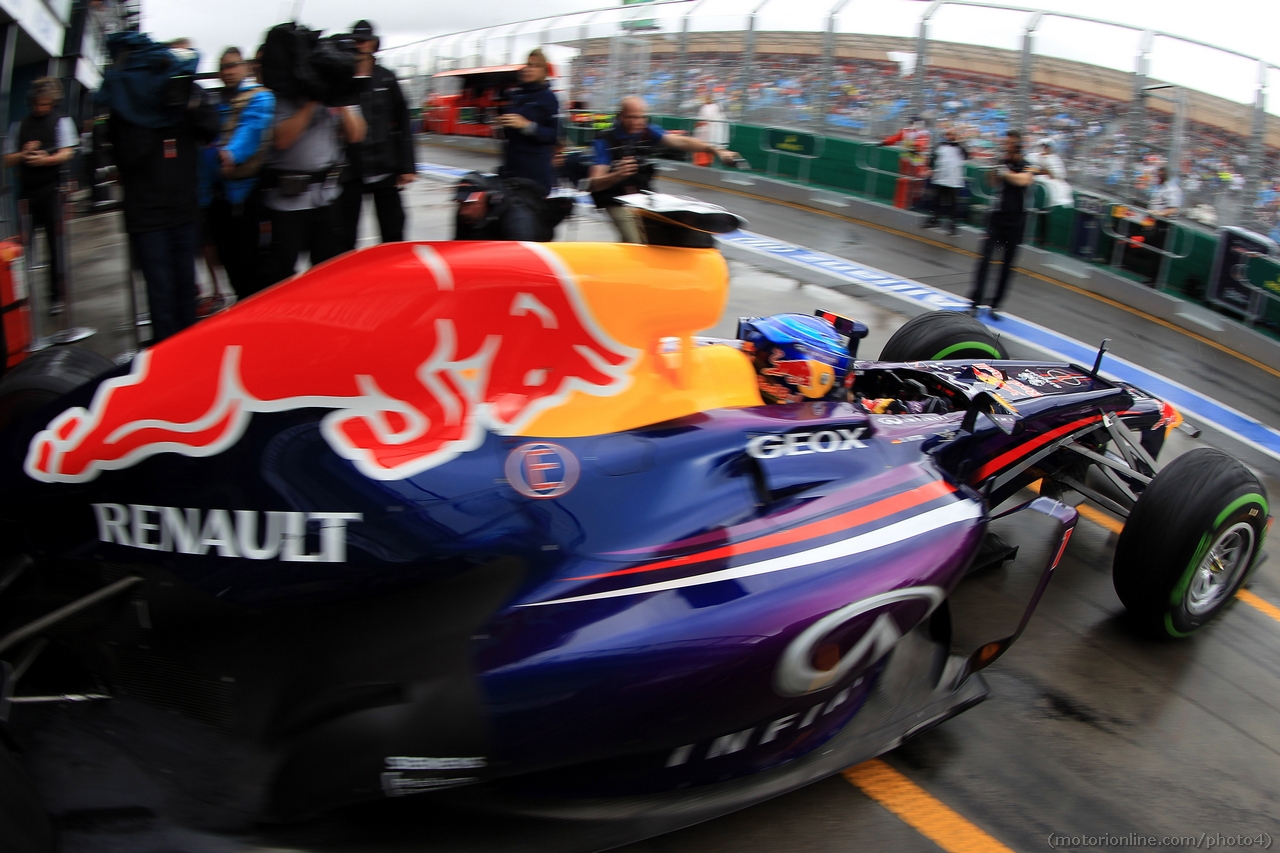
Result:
[[484, 521]]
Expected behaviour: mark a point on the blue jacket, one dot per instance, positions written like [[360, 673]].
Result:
[[256, 117], [529, 154]]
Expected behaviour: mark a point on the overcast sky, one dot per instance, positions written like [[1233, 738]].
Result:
[[1247, 26]]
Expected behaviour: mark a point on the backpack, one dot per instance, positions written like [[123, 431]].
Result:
[[251, 167]]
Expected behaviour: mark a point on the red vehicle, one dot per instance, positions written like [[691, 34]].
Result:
[[464, 102]]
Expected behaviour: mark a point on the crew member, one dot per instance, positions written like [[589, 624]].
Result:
[[914, 142], [946, 171], [1007, 222], [39, 147], [624, 162]]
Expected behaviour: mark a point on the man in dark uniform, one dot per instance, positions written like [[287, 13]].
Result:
[[383, 163], [1008, 221], [530, 125], [39, 147]]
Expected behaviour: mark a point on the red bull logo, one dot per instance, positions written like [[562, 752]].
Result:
[[416, 349]]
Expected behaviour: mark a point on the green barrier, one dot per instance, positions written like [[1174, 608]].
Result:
[[869, 171], [1265, 273]]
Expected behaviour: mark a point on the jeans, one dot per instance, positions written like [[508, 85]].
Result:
[[168, 262], [386, 203]]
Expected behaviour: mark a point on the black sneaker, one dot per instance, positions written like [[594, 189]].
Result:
[[57, 307]]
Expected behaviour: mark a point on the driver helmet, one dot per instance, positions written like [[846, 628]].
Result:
[[797, 357]]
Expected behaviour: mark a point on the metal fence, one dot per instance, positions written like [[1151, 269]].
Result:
[[1117, 100]]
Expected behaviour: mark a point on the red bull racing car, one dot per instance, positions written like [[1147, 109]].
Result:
[[486, 521]]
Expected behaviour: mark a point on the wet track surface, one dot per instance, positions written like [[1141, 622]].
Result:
[[1089, 729]]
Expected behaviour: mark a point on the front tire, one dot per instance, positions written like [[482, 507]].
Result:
[[941, 335], [1190, 542], [44, 376]]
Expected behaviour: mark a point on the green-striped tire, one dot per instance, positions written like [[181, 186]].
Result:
[[942, 335], [1190, 542]]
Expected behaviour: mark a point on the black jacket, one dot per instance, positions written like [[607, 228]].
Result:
[[158, 167], [528, 155], [387, 148]]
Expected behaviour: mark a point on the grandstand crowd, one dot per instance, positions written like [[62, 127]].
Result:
[[871, 98]]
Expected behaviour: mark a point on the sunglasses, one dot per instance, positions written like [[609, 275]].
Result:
[[226, 66]]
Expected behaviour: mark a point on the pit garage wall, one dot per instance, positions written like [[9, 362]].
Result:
[[858, 179]]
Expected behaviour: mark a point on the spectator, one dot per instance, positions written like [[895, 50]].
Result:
[[383, 162], [624, 162], [1007, 222], [157, 165], [1166, 197], [303, 180], [38, 147], [530, 124], [245, 112], [946, 171]]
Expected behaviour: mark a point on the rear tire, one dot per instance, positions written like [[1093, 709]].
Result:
[[45, 376], [941, 335], [1190, 542]]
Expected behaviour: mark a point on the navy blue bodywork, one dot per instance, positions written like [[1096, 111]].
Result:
[[628, 637]]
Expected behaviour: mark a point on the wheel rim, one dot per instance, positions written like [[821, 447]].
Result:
[[1220, 569]]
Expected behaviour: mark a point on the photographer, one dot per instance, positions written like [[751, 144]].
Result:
[[383, 163], [624, 162], [529, 124], [493, 208], [304, 178]]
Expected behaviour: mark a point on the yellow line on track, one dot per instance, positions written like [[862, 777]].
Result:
[[920, 810], [1114, 524], [1259, 603], [921, 239]]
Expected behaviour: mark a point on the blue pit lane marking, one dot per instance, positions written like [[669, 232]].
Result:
[[1221, 416]]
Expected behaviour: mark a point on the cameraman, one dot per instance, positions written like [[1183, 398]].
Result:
[[383, 163], [493, 208], [304, 179], [624, 162]]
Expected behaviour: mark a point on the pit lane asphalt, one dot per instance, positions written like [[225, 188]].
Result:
[[1088, 731]]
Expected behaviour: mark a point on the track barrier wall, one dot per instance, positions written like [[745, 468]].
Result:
[[869, 171]]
